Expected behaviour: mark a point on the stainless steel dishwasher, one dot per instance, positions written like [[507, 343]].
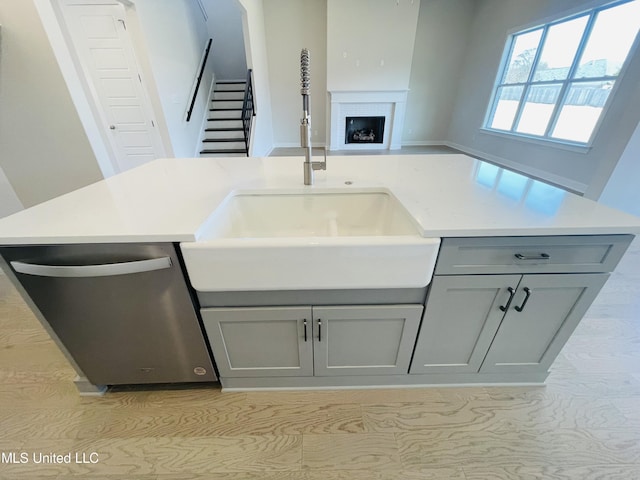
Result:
[[123, 311]]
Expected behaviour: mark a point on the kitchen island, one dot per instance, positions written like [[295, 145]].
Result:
[[520, 261]]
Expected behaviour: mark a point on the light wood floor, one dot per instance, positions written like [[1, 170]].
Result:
[[584, 424]]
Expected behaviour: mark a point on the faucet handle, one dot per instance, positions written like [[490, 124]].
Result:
[[323, 164]]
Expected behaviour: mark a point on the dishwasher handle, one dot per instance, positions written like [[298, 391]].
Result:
[[81, 271]]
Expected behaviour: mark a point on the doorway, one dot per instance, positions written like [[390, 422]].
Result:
[[98, 41]]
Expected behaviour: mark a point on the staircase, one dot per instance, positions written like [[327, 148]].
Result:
[[224, 133]]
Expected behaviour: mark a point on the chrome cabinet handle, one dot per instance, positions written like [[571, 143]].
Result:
[[527, 294], [319, 330], [82, 271], [305, 329], [541, 256], [512, 292]]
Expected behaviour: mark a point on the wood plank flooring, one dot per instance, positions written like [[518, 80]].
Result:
[[584, 424]]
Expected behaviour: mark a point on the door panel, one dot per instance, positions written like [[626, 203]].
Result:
[[260, 342], [133, 140], [555, 306], [364, 340], [109, 58], [461, 318], [128, 115]]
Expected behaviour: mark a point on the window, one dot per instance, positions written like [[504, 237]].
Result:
[[557, 78]]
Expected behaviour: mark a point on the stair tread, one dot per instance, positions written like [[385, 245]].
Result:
[[225, 109], [224, 129], [238, 140], [237, 150]]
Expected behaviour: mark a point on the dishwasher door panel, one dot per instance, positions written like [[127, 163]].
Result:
[[123, 311]]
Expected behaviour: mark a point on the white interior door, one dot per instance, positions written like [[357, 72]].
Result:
[[104, 48]]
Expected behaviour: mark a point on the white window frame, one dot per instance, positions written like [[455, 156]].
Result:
[[546, 139]]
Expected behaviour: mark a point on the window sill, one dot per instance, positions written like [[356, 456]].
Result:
[[559, 144]]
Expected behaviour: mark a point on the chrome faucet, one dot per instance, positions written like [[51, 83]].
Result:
[[305, 122]]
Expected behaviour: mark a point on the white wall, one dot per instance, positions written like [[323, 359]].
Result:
[[225, 27], [623, 189], [439, 52], [44, 150], [9, 202], [255, 44], [292, 25], [581, 171], [175, 35], [370, 43]]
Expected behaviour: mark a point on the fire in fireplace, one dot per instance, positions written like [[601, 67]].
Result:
[[364, 129]]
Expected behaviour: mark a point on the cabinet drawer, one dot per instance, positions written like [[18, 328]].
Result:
[[549, 254]]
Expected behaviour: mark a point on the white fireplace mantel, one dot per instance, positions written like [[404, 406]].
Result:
[[388, 103]]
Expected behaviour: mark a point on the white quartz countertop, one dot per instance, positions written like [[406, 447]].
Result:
[[169, 200]]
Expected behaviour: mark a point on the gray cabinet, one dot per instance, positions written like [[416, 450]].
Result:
[[260, 342], [497, 310], [508, 305], [462, 316], [374, 340], [532, 334], [501, 323], [306, 341]]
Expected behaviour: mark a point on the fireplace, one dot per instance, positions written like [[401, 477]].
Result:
[[366, 120], [364, 129]]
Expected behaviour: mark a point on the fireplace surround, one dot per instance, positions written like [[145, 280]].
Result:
[[388, 106]]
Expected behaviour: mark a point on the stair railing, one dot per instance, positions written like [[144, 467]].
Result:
[[196, 87], [248, 109]]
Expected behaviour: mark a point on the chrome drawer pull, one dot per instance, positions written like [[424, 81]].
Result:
[[527, 292], [511, 291], [541, 256]]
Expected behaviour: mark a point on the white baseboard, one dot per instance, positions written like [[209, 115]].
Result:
[[418, 143], [296, 145], [563, 182], [424, 143]]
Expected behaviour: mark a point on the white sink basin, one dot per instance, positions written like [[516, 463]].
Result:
[[331, 214], [332, 239]]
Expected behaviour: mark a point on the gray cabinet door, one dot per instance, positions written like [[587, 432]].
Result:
[[260, 342], [530, 337], [462, 316], [364, 340]]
